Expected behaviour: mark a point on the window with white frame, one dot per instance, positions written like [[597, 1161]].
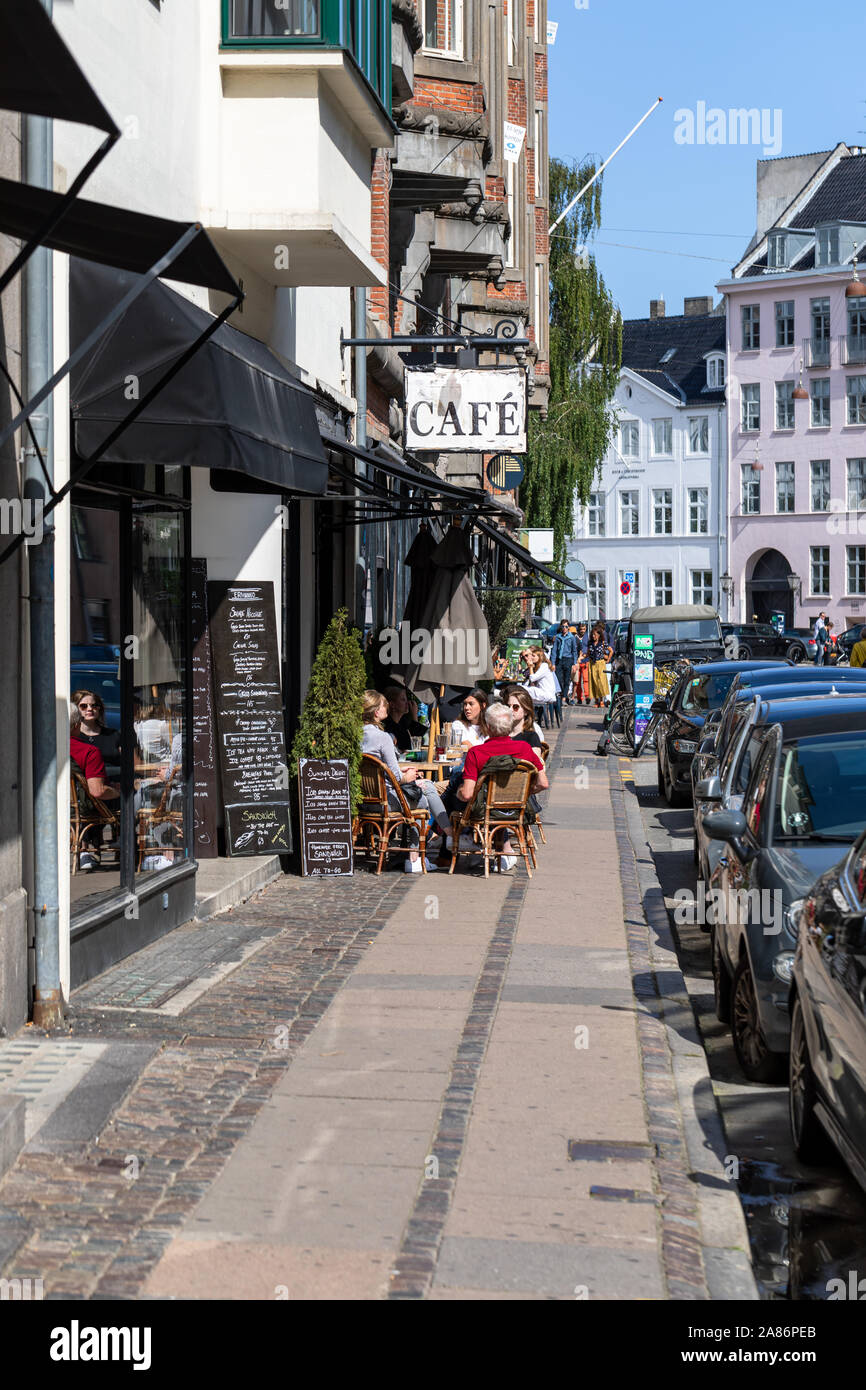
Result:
[[511, 249], [777, 251], [751, 481], [699, 507], [629, 517], [784, 323], [595, 514], [856, 484], [855, 390], [856, 568], [629, 438], [443, 27], [596, 593], [716, 372], [820, 312], [784, 405], [819, 570], [536, 299], [511, 31], [819, 392], [538, 157], [663, 436], [663, 587], [827, 246], [819, 477], [702, 586], [784, 487], [856, 311], [751, 408], [751, 319], [663, 511], [699, 434]]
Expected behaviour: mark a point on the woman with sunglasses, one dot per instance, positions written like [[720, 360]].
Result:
[[88, 724], [522, 710]]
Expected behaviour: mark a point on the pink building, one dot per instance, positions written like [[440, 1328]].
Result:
[[796, 391]]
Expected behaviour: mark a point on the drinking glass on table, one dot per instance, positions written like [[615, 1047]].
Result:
[[441, 745], [417, 742]]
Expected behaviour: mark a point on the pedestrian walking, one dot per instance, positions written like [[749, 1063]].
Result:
[[598, 653], [580, 671], [821, 636], [564, 657]]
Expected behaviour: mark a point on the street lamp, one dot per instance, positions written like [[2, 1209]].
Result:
[[795, 583], [727, 584]]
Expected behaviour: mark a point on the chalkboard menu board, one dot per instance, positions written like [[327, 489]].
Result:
[[326, 816], [249, 718], [204, 739]]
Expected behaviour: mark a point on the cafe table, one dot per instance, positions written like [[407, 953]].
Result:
[[434, 771]]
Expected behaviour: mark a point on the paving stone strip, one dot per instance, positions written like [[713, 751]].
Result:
[[93, 1224], [682, 1257], [415, 1264]]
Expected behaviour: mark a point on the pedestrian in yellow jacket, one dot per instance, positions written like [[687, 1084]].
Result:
[[858, 651]]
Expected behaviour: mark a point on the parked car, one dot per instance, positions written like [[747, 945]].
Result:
[[681, 727], [734, 774], [746, 640], [803, 802], [827, 1075], [808, 645], [845, 642]]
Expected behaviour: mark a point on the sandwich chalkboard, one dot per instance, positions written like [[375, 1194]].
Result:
[[326, 816], [204, 743], [248, 705]]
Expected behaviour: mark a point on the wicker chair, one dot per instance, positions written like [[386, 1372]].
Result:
[[504, 812], [377, 819], [149, 817], [544, 752], [86, 813]]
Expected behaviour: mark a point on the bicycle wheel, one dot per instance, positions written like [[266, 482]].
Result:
[[647, 735], [620, 733]]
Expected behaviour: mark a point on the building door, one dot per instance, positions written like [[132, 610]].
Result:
[[768, 590]]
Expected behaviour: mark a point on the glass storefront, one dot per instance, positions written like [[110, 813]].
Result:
[[129, 802]]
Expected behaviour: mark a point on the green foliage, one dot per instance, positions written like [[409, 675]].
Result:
[[331, 722], [502, 611], [565, 451]]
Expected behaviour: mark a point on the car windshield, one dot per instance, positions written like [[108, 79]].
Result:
[[703, 693], [821, 790], [691, 630]]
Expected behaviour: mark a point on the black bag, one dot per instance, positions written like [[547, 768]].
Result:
[[412, 792]]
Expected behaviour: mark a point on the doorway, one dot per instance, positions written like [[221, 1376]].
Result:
[[768, 590]]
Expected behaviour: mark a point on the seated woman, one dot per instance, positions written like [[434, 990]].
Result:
[[540, 679], [88, 724], [90, 763], [500, 722], [471, 727], [402, 721], [523, 716], [376, 741]]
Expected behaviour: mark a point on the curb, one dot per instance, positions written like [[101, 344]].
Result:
[[12, 1114], [264, 870], [705, 1243]]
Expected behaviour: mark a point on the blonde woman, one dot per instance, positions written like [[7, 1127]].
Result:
[[540, 681], [598, 654], [377, 741]]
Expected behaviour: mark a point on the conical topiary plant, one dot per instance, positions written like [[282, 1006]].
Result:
[[331, 720]]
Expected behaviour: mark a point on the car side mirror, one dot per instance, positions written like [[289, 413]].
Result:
[[725, 825], [659, 707], [709, 789], [707, 745]]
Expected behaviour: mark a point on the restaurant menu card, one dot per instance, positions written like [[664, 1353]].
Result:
[[204, 741], [249, 718], [326, 816]]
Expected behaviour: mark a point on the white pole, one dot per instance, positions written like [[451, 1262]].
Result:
[[602, 167]]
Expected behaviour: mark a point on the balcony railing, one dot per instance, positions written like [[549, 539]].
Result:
[[853, 349], [816, 352], [361, 28]]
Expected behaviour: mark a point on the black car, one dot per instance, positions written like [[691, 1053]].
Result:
[[846, 640], [679, 631], [696, 694], [805, 800], [743, 641], [827, 1073]]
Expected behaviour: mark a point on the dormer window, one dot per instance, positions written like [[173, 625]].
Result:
[[777, 251], [668, 355], [716, 372], [827, 246]]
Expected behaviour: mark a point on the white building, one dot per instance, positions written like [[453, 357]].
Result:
[[657, 511]]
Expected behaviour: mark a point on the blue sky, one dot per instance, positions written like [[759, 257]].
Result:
[[614, 57]]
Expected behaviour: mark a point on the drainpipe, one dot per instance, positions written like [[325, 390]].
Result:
[[360, 355], [38, 367], [722, 485]]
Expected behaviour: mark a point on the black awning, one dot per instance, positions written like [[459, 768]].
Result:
[[112, 236], [523, 555], [422, 478], [232, 406], [38, 74]]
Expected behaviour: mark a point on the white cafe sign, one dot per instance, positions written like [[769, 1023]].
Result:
[[470, 409]]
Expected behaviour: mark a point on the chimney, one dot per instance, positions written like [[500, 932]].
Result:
[[657, 308], [700, 304]]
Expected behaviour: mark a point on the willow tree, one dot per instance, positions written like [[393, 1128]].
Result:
[[566, 449]]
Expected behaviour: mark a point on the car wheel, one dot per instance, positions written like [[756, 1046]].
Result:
[[744, 653], [721, 982], [672, 796], [796, 653], [756, 1060], [660, 777], [811, 1143]]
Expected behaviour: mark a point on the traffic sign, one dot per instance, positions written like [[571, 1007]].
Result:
[[625, 587], [629, 576]]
